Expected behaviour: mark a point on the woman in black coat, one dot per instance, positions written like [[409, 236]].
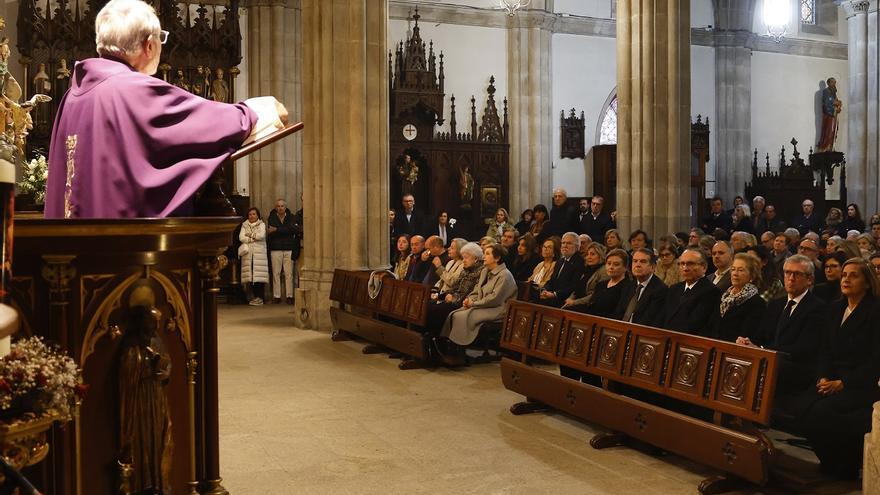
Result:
[[608, 292], [836, 414], [742, 306], [526, 259]]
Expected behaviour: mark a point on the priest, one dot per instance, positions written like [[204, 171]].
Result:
[[126, 144]]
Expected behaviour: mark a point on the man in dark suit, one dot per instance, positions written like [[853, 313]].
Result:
[[435, 248], [717, 218], [562, 216], [643, 301], [419, 265], [793, 325], [443, 229], [595, 222], [509, 239], [409, 220], [690, 303], [568, 274], [770, 221], [722, 258], [809, 221]]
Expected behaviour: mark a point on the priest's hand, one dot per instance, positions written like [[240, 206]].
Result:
[[282, 112], [744, 341]]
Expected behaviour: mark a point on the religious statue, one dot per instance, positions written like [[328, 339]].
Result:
[[198, 85], [15, 117], [62, 74], [145, 441], [219, 88], [831, 107], [180, 81], [42, 86], [408, 170], [466, 187]]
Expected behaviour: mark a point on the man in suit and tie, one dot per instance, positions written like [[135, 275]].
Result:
[[793, 325], [722, 258], [809, 221], [690, 303], [717, 218], [409, 220], [568, 274], [643, 301], [594, 222]]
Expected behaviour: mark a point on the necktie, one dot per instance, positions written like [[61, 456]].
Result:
[[786, 316], [561, 266], [631, 307]]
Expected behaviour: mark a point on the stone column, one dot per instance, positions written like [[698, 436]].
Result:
[[275, 68], [733, 97], [653, 115], [871, 472], [861, 181], [530, 101], [345, 147]]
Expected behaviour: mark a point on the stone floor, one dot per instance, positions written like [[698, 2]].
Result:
[[300, 414]]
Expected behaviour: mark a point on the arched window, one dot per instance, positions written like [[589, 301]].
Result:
[[608, 127]]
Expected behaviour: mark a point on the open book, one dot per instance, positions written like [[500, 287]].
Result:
[[265, 138]]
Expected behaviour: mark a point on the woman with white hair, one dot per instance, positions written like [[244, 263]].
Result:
[[146, 146], [451, 298], [742, 219], [448, 273]]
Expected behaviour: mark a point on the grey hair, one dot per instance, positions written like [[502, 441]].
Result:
[[747, 212], [804, 261], [122, 25], [791, 231], [473, 249], [459, 243], [577, 240]]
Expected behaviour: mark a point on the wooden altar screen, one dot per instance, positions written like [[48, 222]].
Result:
[[462, 173]]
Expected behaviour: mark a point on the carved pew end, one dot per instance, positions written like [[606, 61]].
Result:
[[607, 440], [373, 349]]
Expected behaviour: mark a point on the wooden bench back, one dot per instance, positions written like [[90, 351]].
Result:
[[721, 376], [398, 299]]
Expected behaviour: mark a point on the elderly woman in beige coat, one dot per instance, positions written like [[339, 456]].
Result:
[[486, 303]]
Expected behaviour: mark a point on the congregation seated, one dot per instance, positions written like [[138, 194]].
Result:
[[400, 262], [448, 274], [604, 300], [691, 302], [592, 220], [613, 240], [487, 302], [835, 413], [642, 300], [769, 285], [443, 229], [561, 215], [434, 250], [741, 304], [667, 265], [829, 290], [717, 218], [792, 325], [525, 221], [419, 266], [539, 226], [545, 268], [567, 274], [526, 259], [452, 295], [509, 241], [638, 239], [499, 225], [722, 258], [742, 220]]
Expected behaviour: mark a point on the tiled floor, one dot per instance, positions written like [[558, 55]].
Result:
[[300, 414]]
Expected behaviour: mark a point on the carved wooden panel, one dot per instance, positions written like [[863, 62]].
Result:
[[360, 294], [518, 330], [688, 373], [736, 379], [578, 342], [336, 285], [398, 305], [648, 357], [416, 306], [610, 351], [545, 338], [348, 289], [572, 135], [386, 297]]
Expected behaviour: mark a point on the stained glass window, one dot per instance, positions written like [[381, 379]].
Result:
[[808, 12], [608, 131]]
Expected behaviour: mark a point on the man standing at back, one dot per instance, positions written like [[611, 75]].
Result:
[[409, 220], [282, 232], [126, 144], [561, 215], [596, 222]]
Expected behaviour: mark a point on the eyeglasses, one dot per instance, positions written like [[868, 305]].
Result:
[[788, 273], [163, 36]]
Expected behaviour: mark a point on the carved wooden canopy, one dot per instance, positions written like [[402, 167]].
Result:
[[572, 135]]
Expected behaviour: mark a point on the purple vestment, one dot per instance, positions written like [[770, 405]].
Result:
[[126, 144]]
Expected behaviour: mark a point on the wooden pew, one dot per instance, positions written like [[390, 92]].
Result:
[[389, 321], [736, 383]]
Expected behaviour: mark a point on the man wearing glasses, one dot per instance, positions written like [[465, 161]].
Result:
[[126, 144], [794, 325], [690, 302]]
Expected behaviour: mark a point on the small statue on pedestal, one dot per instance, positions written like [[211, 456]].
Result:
[[831, 107], [219, 88]]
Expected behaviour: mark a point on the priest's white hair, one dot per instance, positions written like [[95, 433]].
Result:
[[122, 25]]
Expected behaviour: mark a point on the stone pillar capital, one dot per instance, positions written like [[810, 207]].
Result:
[[855, 7]]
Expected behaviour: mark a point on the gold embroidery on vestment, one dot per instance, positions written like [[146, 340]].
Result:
[[71, 172]]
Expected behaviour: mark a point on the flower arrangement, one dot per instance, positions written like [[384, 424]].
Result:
[[33, 180], [36, 379]]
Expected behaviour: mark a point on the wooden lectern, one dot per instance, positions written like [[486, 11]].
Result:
[[77, 282]]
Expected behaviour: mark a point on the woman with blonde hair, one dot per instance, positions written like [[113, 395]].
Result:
[[448, 274], [499, 225], [667, 268], [544, 270], [741, 306]]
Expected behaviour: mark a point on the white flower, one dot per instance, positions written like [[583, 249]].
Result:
[[452, 222]]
